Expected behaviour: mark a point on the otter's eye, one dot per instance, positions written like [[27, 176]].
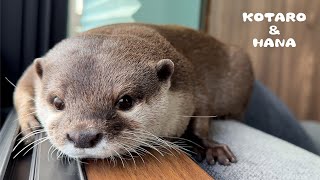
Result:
[[125, 103], [58, 103]]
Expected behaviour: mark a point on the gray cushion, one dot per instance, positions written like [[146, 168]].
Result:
[[267, 113], [313, 130], [261, 156]]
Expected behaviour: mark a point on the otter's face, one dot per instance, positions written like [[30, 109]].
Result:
[[102, 108]]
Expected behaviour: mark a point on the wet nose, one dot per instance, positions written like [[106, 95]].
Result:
[[84, 139]]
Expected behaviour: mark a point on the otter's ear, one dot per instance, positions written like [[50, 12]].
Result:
[[38, 66], [164, 68]]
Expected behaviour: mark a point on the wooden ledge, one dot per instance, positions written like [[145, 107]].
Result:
[[179, 166]]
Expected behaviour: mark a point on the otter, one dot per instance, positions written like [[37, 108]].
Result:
[[110, 90]]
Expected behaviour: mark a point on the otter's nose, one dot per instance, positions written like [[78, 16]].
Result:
[[84, 139]]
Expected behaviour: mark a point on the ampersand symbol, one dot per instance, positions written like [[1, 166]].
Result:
[[273, 30]]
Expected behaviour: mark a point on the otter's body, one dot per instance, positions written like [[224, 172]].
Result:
[[165, 73]]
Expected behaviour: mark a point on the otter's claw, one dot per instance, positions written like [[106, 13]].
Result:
[[221, 153], [215, 152]]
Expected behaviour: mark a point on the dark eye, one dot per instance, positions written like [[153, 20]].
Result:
[[58, 103], [125, 103]]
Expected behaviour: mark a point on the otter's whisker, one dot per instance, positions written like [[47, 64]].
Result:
[[168, 145], [64, 158], [140, 148], [184, 140], [180, 148], [134, 162], [34, 132], [184, 150], [27, 136], [147, 144], [51, 147], [146, 151], [158, 138], [158, 143], [24, 131], [55, 149], [201, 116], [119, 157], [59, 155], [78, 160], [36, 145], [28, 146], [144, 140], [113, 160], [154, 142], [176, 147], [180, 143], [16, 86], [25, 115], [68, 159], [10, 82], [13, 84], [136, 153]]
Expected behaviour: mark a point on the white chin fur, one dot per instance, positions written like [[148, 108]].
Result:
[[101, 150]]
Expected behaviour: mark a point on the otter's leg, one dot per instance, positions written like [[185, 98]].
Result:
[[24, 104], [217, 152], [212, 151]]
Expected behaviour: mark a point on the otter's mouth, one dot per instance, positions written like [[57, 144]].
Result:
[[127, 146]]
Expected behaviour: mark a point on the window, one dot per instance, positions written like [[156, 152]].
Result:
[[88, 14]]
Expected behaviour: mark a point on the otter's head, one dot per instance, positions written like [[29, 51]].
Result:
[[98, 97]]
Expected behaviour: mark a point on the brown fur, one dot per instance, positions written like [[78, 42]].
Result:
[[219, 77], [222, 75]]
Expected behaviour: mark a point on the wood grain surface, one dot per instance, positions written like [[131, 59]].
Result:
[[293, 74], [179, 166]]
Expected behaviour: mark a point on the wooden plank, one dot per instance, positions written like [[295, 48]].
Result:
[[179, 166]]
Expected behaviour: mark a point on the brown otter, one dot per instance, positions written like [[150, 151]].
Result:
[[112, 89]]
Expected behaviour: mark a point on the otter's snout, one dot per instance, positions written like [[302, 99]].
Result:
[[84, 138]]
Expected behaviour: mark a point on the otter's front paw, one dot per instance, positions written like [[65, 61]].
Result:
[[214, 152], [219, 152], [28, 127]]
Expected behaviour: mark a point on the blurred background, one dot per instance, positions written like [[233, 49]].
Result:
[[30, 27]]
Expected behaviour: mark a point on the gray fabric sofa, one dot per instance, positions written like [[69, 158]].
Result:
[[261, 156]]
